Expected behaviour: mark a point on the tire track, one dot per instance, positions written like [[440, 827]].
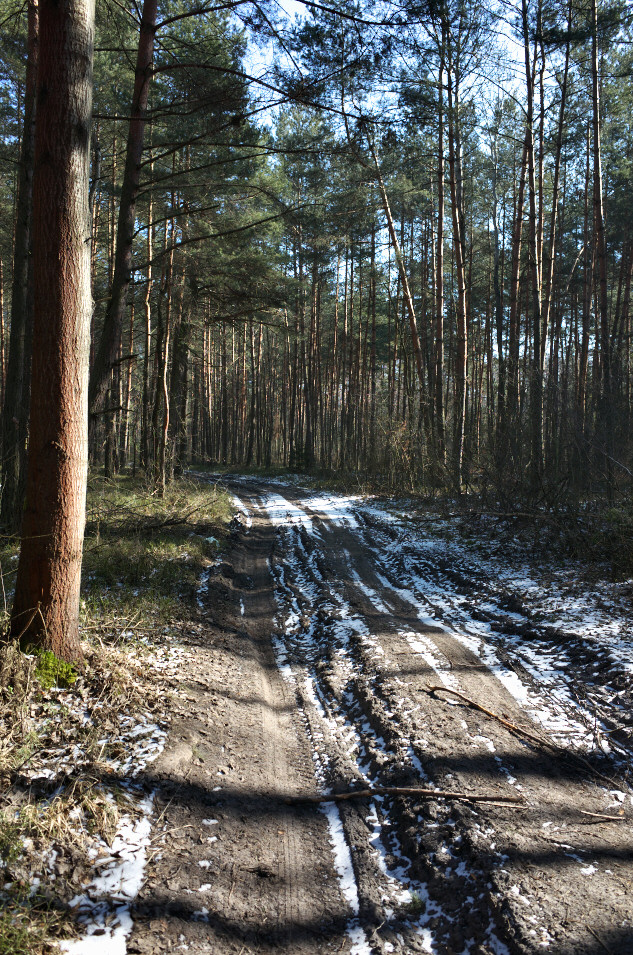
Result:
[[362, 644]]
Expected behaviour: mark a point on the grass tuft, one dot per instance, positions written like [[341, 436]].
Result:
[[415, 907]]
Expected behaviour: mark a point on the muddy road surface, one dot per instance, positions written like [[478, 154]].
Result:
[[349, 649]]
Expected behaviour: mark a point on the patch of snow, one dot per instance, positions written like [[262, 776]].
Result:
[[337, 509], [342, 855], [346, 877], [243, 510], [425, 647], [282, 512], [485, 741], [104, 909]]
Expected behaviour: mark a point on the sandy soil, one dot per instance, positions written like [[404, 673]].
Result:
[[314, 677]]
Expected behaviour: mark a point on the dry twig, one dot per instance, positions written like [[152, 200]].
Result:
[[513, 727], [598, 939], [405, 791], [600, 817]]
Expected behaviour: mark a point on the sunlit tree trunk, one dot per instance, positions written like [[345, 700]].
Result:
[[549, 275], [460, 279], [536, 370], [46, 606], [111, 334], [581, 396], [406, 290], [498, 307], [439, 280], [146, 423], [514, 295], [606, 409]]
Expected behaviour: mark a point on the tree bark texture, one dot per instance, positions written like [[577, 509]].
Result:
[[46, 606]]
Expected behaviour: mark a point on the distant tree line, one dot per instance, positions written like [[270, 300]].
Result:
[[387, 239]]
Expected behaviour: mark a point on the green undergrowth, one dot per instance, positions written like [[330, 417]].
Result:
[[144, 554], [51, 671], [28, 925]]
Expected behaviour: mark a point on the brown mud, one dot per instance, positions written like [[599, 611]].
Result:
[[313, 674]]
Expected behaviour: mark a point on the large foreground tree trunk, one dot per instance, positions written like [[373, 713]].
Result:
[[46, 607]]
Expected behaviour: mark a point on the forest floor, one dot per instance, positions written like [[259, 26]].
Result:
[[331, 620], [340, 643]]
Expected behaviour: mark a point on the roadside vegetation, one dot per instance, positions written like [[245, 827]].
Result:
[[70, 740]]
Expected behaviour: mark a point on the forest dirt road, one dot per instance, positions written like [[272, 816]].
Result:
[[314, 677]]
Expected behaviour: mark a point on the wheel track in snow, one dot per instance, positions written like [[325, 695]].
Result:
[[443, 836], [599, 683], [349, 695]]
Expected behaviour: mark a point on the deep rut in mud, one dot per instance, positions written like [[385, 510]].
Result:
[[332, 628]]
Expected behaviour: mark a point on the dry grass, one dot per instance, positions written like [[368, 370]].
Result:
[[65, 751], [144, 555], [60, 793]]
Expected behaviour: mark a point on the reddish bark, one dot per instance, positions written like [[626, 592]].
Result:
[[46, 606]]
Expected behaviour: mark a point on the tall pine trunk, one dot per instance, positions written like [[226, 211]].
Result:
[[46, 605], [111, 334], [460, 279], [438, 376]]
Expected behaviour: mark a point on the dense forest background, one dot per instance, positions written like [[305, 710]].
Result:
[[392, 239], [386, 246]]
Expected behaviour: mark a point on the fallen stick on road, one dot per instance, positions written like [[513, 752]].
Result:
[[495, 716], [609, 951], [406, 791], [558, 750], [600, 817]]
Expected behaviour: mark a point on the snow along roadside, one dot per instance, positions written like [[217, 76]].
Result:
[[103, 908]]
